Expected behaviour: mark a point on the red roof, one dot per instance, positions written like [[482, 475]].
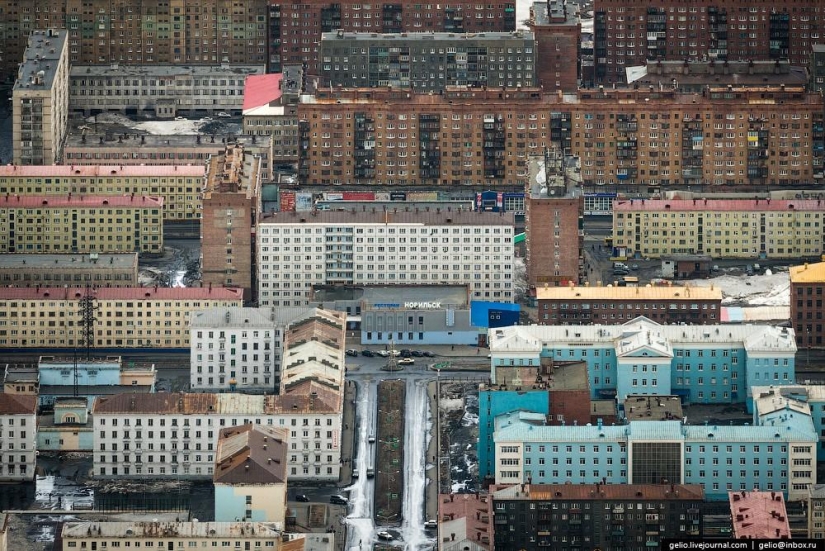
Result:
[[122, 293], [759, 515], [65, 171], [676, 205], [261, 90], [53, 201]]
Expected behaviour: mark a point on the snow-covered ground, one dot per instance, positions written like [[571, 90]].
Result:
[[361, 527], [772, 289], [161, 128], [416, 435]]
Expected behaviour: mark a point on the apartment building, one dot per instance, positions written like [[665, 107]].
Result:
[[807, 284], [427, 61], [817, 68], [269, 109], [98, 224], [231, 198], [18, 424], [126, 317], [178, 535], [406, 247], [759, 515], [816, 511], [159, 90], [102, 270], [123, 36], [595, 516], [628, 34], [295, 30], [40, 100], [798, 396], [721, 228], [556, 26], [251, 339], [178, 186]]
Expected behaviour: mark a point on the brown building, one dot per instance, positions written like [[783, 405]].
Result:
[[616, 305], [557, 29], [628, 32], [554, 225], [192, 32], [230, 204], [807, 283]]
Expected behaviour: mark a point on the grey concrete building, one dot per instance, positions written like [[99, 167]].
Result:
[[97, 269], [427, 61]]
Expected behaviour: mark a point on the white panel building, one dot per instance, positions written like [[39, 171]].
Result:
[[18, 437], [297, 250]]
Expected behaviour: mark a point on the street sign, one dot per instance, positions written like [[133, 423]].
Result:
[[441, 365]]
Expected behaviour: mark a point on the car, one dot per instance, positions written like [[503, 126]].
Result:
[[224, 115], [431, 524], [634, 266], [180, 118], [370, 473], [406, 353], [303, 498], [371, 439], [352, 352], [406, 361], [417, 354], [367, 353], [383, 353], [394, 353], [428, 354], [621, 272], [385, 536], [338, 500], [355, 473]]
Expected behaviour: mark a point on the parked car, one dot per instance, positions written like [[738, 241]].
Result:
[[338, 500], [367, 353], [355, 473], [352, 352], [383, 353], [406, 361], [406, 353], [431, 524], [371, 439], [394, 353], [224, 115], [417, 354], [385, 536], [428, 354], [303, 498], [370, 473]]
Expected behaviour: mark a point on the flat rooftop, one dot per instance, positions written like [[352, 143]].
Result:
[[739, 73], [79, 201], [555, 12], [759, 515], [64, 261], [40, 60], [563, 376], [384, 297], [166, 530], [628, 293], [623, 492], [116, 70], [116, 137], [720, 205], [652, 408], [92, 171], [427, 37], [420, 217], [808, 273], [122, 293]]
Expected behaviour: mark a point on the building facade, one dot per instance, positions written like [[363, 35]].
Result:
[[615, 305], [179, 185], [793, 396], [405, 248], [816, 511], [817, 68], [596, 516], [427, 61], [721, 228], [628, 34], [807, 284], [40, 100], [18, 423], [103, 270], [68, 430], [98, 224], [136, 317], [556, 26], [269, 109], [159, 90]]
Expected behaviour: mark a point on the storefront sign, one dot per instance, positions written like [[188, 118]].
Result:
[[422, 305]]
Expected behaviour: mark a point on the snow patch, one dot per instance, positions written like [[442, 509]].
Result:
[[771, 289], [452, 404]]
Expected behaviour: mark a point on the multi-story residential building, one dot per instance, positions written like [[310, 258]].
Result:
[[251, 474], [427, 61], [103, 147], [700, 363], [40, 100], [231, 196], [615, 305], [295, 30], [106, 32], [557, 517], [179, 185], [102, 270], [721, 228], [404, 247], [627, 33], [269, 109], [816, 511], [179, 535], [695, 76], [181, 430], [68, 428], [252, 339], [794, 396], [159, 90], [807, 284], [817, 68], [33, 223], [467, 518], [720, 458], [18, 424], [554, 225], [126, 317], [759, 515], [557, 29]]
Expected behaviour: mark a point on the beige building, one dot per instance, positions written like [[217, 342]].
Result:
[[135, 317], [18, 420], [81, 224], [721, 228], [102, 270], [40, 100], [178, 186], [179, 535], [160, 90]]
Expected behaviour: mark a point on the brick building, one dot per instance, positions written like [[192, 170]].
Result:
[[557, 29], [807, 284], [616, 305], [628, 33]]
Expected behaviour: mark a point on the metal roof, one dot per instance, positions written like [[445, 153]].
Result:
[[629, 293], [147, 530], [446, 216], [808, 273], [62, 261], [107, 171], [122, 293], [723, 205], [79, 201], [42, 55]]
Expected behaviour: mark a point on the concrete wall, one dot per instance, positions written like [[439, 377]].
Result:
[[268, 503]]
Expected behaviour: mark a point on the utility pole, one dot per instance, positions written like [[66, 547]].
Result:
[[87, 311]]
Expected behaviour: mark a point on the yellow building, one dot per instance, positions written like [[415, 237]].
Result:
[[721, 228], [126, 317], [178, 185], [85, 224]]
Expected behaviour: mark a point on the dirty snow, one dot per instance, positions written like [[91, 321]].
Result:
[[161, 128], [452, 404], [771, 289]]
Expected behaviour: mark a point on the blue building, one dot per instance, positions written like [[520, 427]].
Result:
[[767, 399], [779, 455], [707, 364], [92, 378]]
